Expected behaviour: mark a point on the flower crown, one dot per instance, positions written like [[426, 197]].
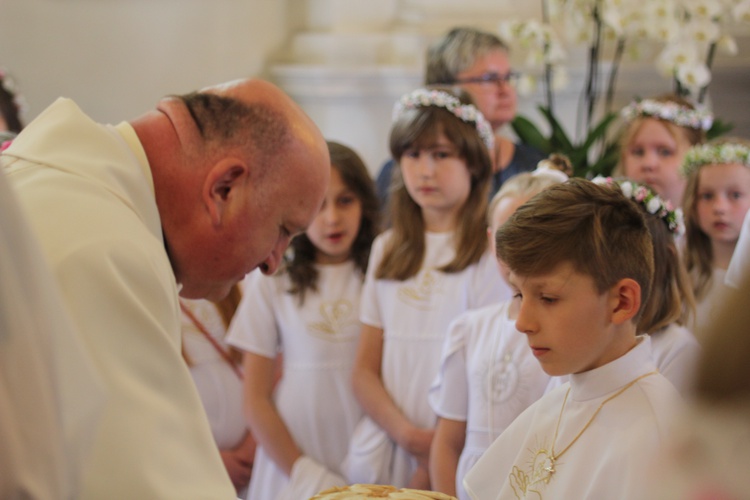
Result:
[[715, 154], [465, 112], [649, 200], [699, 118]]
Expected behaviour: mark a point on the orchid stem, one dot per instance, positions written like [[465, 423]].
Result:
[[709, 62]]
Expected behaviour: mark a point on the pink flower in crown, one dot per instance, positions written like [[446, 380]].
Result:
[[640, 194]]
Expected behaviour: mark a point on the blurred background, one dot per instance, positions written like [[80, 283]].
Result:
[[344, 61]]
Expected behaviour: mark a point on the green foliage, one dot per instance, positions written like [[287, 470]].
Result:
[[594, 155], [718, 128]]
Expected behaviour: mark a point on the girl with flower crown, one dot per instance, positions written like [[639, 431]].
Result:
[[670, 303], [308, 312], [657, 134], [717, 199], [430, 266]]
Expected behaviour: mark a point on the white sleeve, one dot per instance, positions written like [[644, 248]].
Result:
[[254, 327], [739, 265], [448, 395]]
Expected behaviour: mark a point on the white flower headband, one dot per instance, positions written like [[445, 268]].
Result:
[[465, 112], [715, 154], [699, 118], [649, 200]]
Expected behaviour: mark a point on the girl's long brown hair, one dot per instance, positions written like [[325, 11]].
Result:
[[300, 263], [403, 255]]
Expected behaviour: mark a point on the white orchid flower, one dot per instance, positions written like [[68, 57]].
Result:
[[613, 19], [526, 85], [665, 31], [728, 45], [704, 9], [556, 53], [703, 30], [680, 52], [741, 11], [560, 78], [693, 76]]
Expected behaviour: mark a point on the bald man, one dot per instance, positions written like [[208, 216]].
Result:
[[186, 199]]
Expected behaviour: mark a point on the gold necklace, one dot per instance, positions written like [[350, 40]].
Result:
[[554, 457]]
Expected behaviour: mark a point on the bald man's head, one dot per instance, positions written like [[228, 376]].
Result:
[[247, 170]]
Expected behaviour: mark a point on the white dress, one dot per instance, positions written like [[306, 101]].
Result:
[[414, 315], [739, 265], [319, 343], [610, 458], [219, 387], [708, 308], [676, 352], [487, 378]]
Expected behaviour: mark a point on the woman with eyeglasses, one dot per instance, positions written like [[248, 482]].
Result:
[[479, 63]]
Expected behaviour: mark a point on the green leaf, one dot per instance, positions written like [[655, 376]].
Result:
[[528, 133], [600, 131], [559, 137], [718, 128]]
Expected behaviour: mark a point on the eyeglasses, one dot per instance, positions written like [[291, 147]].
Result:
[[511, 78]]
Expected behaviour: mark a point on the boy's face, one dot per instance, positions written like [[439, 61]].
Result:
[[568, 323]]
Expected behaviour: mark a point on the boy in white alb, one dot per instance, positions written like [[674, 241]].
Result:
[[581, 263]]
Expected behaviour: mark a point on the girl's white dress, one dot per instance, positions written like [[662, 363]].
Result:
[[488, 377], [708, 308], [414, 315], [319, 342], [219, 387], [676, 351]]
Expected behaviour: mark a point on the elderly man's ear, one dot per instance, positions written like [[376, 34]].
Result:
[[221, 186]]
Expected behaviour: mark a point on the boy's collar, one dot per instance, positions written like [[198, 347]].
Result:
[[615, 374]]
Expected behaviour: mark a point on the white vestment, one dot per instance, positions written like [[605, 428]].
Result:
[[487, 378], [610, 455], [88, 192]]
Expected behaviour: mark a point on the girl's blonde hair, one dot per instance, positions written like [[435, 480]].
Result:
[[528, 184], [630, 129], [671, 298], [698, 253], [404, 252]]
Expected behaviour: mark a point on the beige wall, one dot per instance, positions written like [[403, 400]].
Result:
[[117, 57], [345, 61]]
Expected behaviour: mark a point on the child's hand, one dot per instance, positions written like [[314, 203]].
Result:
[[238, 466], [420, 480], [239, 461], [417, 441]]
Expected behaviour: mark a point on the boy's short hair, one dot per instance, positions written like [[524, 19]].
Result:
[[598, 230]]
